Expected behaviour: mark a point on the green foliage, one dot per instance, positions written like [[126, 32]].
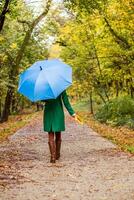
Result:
[[130, 148], [118, 111], [82, 106], [17, 23], [98, 44], [96, 40]]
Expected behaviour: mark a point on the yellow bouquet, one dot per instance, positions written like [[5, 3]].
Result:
[[78, 119]]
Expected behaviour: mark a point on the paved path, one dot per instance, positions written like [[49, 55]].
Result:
[[90, 168]]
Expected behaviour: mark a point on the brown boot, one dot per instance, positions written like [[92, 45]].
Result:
[[52, 148], [58, 147]]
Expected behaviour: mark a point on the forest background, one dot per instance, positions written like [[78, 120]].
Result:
[[95, 37]]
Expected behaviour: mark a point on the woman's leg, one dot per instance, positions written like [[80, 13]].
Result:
[[50, 136], [58, 144], [58, 135], [52, 146]]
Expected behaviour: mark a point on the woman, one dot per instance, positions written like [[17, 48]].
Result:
[[54, 122]]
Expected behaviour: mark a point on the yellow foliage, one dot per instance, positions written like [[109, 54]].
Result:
[[54, 52], [1, 38], [13, 45], [121, 136]]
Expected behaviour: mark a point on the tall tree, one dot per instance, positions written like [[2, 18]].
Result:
[[14, 70], [98, 43]]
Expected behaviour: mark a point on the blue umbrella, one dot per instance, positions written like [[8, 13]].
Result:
[[45, 80]]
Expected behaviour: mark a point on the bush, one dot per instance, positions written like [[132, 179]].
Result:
[[118, 111]]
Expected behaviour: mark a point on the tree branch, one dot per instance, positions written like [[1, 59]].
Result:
[[29, 32], [4, 11], [118, 38], [24, 22]]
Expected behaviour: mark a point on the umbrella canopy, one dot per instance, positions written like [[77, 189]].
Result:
[[45, 80]]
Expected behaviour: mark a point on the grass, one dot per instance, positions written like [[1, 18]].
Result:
[[81, 105], [122, 136], [130, 149], [16, 122]]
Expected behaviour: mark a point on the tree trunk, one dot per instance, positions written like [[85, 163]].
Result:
[[6, 110], [9, 94], [91, 103], [100, 95], [117, 88], [14, 105], [118, 38], [99, 67], [37, 106], [132, 91], [131, 84], [0, 108], [4, 11]]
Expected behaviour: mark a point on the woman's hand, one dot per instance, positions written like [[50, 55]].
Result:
[[74, 115], [77, 118]]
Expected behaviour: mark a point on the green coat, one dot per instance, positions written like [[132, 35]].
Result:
[[53, 118]]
